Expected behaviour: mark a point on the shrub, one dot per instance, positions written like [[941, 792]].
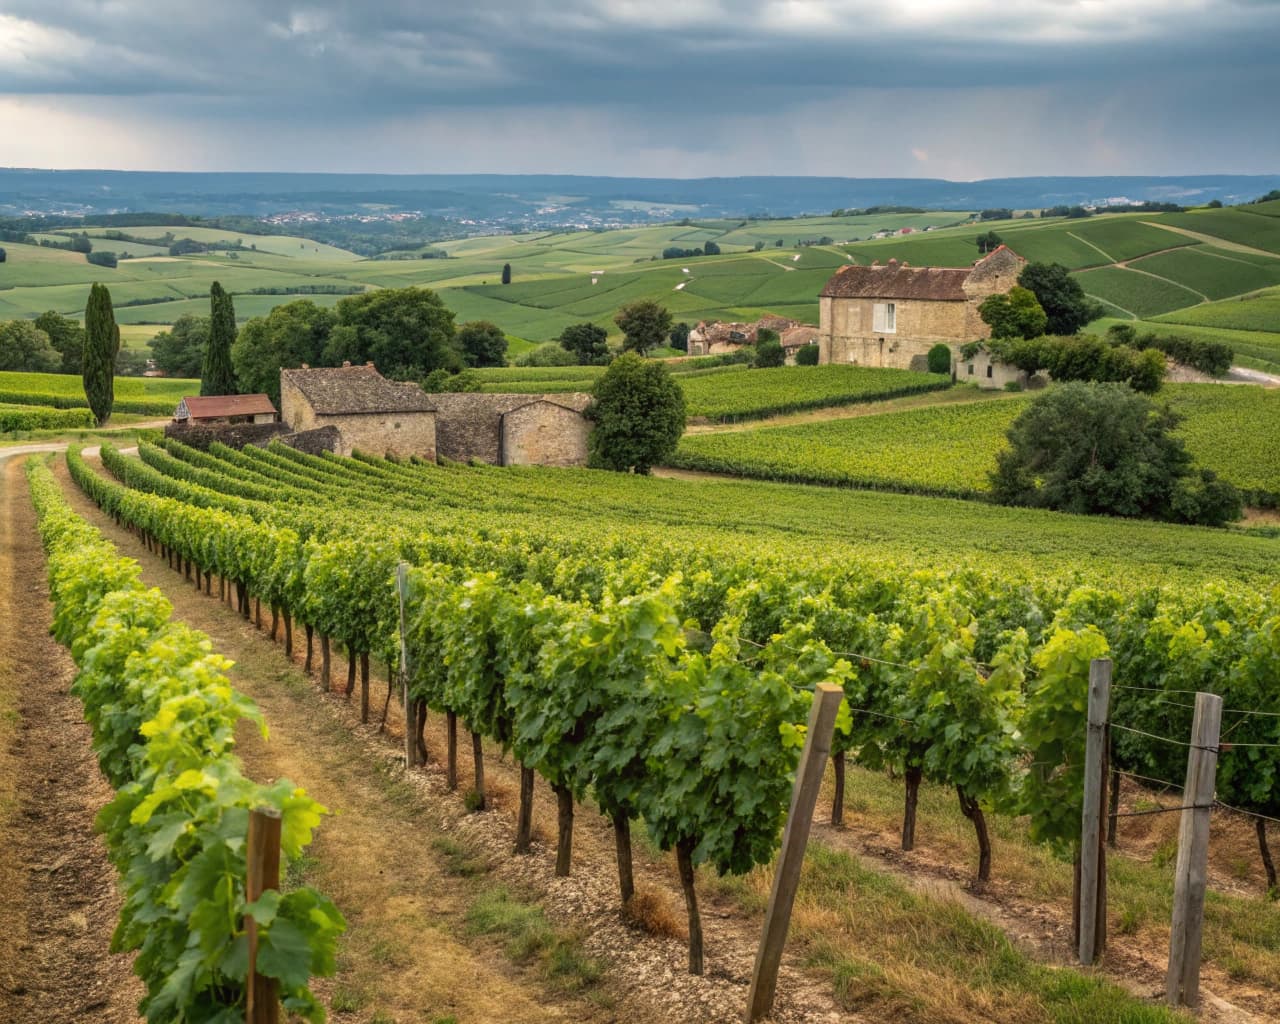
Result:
[[808, 355], [1211, 357], [550, 353], [770, 353], [639, 414], [939, 358], [1103, 448]]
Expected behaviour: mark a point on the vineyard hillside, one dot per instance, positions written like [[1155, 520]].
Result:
[[1137, 265]]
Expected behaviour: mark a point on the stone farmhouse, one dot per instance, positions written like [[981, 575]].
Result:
[[371, 413], [381, 417], [892, 314]]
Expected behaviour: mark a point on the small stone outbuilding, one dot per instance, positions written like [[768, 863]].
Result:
[[892, 314], [211, 410], [513, 430], [372, 414]]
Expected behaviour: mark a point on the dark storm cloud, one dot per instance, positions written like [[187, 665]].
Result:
[[954, 87], [399, 56]]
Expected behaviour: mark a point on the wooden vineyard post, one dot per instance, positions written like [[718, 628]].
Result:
[[786, 879], [262, 863], [410, 706], [1182, 984], [1093, 864]]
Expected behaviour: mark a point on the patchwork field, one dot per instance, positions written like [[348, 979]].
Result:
[[1140, 266], [950, 450]]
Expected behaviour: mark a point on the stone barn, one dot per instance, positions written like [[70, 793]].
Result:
[[513, 430], [892, 314], [211, 410], [372, 414]]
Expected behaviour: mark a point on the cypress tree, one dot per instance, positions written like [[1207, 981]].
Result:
[[217, 376], [101, 343], [506, 273]]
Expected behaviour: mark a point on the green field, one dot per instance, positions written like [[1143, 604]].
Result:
[[749, 394], [566, 277], [1257, 312], [950, 450], [147, 395]]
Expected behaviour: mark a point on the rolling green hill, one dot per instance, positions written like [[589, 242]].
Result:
[[1175, 267]]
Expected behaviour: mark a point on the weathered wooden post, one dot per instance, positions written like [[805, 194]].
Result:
[[1093, 863], [1182, 984], [262, 864], [410, 707], [786, 879]]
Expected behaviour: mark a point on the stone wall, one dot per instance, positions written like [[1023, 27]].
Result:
[[544, 434], [240, 435], [234, 435], [508, 430]]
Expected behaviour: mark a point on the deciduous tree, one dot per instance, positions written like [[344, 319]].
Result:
[[24, 347], [645, 325], [285, 338], [639, 414], [587, 342], [65, 335], [1060, 296], [179, 351], [1016, 314], [483, 343], [405, 332]]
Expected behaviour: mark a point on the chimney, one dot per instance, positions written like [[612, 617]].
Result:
[[305, 366], [875, 263], [346, 364], [892, 262], [369, 364], [905, 263]]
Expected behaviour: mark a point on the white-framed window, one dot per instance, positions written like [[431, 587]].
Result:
[[884, 317]]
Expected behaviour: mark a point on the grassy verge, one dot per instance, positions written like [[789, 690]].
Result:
[[1241, 933], [122, 434], [892, 952], [529, 939]]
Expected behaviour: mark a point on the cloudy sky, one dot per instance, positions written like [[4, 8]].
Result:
[[674, 88]]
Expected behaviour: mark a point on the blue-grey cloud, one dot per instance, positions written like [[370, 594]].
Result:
[[949, 85]]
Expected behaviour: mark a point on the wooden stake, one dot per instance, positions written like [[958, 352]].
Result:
[[837, 802], [451, 756], [262, 864], [1182, 984], [524, 821], [564, 843], [1092, 845], [477, 759], [364, 687], [786, 878], [410, 706]]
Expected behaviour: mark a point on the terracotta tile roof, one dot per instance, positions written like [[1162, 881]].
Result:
[[215, 407], [355, 390], [895, 280]]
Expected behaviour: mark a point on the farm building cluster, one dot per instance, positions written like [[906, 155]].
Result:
[[349, 408], [716, 337]]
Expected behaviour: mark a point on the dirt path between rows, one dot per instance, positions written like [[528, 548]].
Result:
[[389, 858], [58, 900]]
